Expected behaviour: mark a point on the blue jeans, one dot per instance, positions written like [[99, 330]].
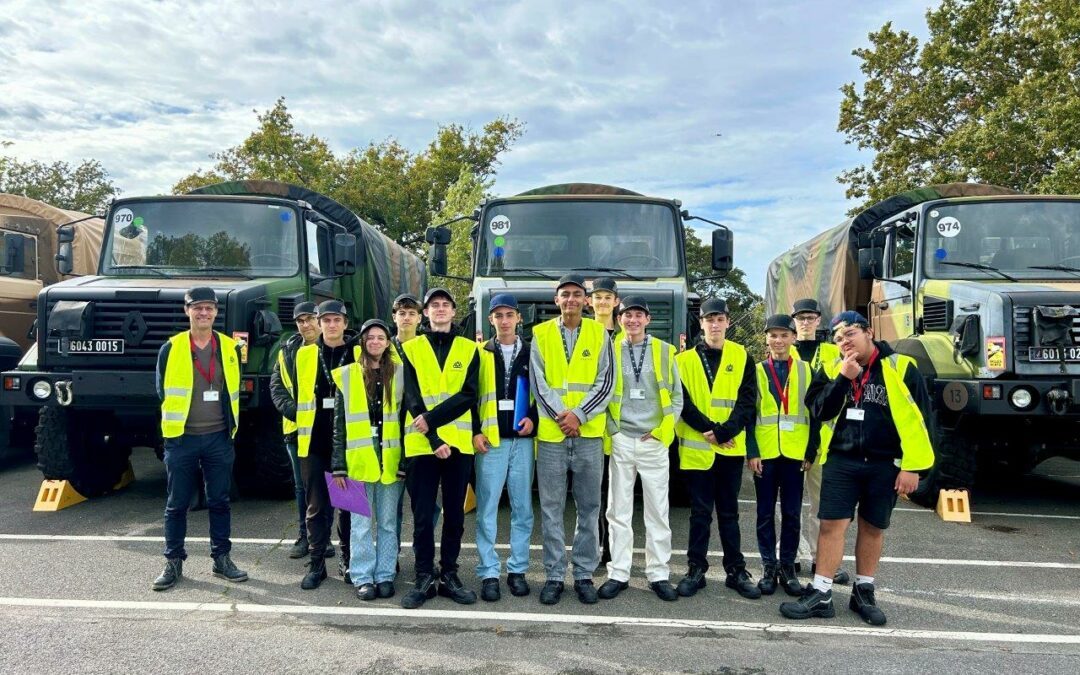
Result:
[[779, 476], [509, 464], [298, 483], [374, 555], [184, 456]]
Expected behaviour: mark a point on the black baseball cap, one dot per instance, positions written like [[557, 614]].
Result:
[[806, 306], [303, 308], [332, 307], [780, 321], [604, 284], [200, 294], [714, 306], [571, 280], [372, 323], [407, 300], [436, 292], [634, 302]]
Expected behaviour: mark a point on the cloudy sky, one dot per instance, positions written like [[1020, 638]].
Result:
[[729, 106]]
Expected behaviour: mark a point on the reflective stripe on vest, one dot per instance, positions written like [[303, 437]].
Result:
[[287, 426], [717, 404], [179, 382], [436, 386], [488, 403], [307, 372], [772, 441], [570, 381], [361, 460], [663, 360]]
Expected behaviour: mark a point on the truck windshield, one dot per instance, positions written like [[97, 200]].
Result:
[[637, 238], [1025, 240], [194, 238]]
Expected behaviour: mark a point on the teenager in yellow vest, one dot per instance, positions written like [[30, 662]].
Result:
[[441, 383], [783, 446], [878, 400], [283, 394], [807, 315], [572, 381], [719, 405], [604, 302], [198, 382], [367, 448]]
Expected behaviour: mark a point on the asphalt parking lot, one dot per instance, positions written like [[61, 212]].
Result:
[[1001, 593]]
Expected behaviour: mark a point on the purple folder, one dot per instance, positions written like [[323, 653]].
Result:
[[353, 498]]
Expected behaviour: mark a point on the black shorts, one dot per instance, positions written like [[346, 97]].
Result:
[[850, 481]]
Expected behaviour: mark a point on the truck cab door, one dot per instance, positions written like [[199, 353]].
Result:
[[19, 284], [892, 306]]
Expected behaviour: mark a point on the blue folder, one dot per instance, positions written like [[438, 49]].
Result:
[[521, 401]]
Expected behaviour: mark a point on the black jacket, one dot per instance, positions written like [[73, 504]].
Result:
[[159, 379], [279, 393], [338, 464], [745, 411], [449, 410], [875, 436], [519, 368]]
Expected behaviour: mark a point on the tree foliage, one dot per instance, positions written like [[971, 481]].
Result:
[[993, 96], [747, 308], [86, 187], [462, 197]]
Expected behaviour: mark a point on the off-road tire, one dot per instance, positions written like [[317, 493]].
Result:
[[954, 463], [263, 467], [69, 446]]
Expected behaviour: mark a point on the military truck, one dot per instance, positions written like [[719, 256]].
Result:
[[524, 243], [981, 286], [263, 246]]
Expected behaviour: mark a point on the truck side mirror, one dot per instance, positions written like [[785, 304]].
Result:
[[64, 259], [344, 254], [723, 250], [438, 237], [870, 263], [65, 234]]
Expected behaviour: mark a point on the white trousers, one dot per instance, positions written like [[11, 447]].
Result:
[[632, 457]]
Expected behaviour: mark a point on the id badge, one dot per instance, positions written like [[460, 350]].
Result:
[[637, 394], [328, 403], [210, 396], [856, 414], [787, 425], [506, 404], [375, 433]]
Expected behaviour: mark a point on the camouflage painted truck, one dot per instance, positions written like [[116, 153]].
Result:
[[264, 246], [981, 286], [523, 244]]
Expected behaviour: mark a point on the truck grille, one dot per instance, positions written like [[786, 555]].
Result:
[[163, 319], [1022, 331]]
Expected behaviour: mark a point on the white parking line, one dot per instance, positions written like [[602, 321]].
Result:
[[1003, 514], [527, 617], [536, 547]]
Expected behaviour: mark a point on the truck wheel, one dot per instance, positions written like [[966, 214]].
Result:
[[954, 463], [70, 447], [262, 462]]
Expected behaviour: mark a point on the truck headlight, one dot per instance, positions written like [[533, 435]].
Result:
[[42, 390], [1021, 398]]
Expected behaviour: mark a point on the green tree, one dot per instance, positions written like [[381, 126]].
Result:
[[86, 187], [462, 197], [991, 96], [747, 308]]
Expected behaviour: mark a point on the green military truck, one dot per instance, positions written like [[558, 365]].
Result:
[[981, 286], [524, 243], [263, 245]]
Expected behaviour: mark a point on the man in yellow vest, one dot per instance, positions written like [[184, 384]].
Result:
[[572, 380], [880, 441], [441, 382], [719, 406], [604, 301], [783, 446], [641, 420], [817, 353], [198, 382]]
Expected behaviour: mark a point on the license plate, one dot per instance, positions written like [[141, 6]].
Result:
[[1053, 354], [95, 346]]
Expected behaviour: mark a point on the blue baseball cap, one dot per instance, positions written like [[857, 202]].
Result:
[[848, 318], [502, 300]]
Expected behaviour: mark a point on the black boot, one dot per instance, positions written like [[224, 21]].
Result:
[[741, 581], [224, 568], [692, 582], [767, 583], [300, 547], [422, 591], [450, 586], [343, 570], [862, 603], [790, 581], [841, 577], [173, 572], [813, 603], [316, 574]]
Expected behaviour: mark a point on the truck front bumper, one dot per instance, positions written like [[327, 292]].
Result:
[[116, 389], [1016, 398]]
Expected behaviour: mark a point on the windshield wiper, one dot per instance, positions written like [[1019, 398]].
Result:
[[151, 268], [1056, 268], [979, 266], [537, 273], [231, 270], [616, 270]]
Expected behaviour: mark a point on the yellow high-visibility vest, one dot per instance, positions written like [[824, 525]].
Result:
[[307, 372], [825, 353], [695, 452], [361, 460], [180, 381], [489, 403], [287, 426], [437, 385], [772, 438], [663, 361], [570, 380]]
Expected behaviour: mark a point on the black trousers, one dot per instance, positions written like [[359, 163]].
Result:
[[605, 546], [320, 515], [715, 488], [780, 477], [423, 478]]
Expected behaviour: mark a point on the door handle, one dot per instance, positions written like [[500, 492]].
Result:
[[884, 304]]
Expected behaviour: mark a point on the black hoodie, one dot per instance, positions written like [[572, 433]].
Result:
[[322, 433], [452, 408]]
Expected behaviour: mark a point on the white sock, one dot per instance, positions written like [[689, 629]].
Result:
[[863, 579], [823, 584]]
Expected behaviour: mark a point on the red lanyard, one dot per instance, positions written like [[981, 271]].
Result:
[[782, 391], [213, 362], [857, 386]]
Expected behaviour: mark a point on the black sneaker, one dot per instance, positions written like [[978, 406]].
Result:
[[692, 582], [841, 577], [423, 590], [664, 590], [316, 574], [586, 592], [862, 603], [173, 572], [790, 581], [366, 592], [517, 584], [224, 568], [551, 593], [489, 590], [767, 583], [300, 548], [450, 586], [743, 583], [611, 588], [385, 589], [813, 603], [343, 570]]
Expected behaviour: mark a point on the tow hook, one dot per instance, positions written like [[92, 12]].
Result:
[[64, 394], [1058, 400]]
